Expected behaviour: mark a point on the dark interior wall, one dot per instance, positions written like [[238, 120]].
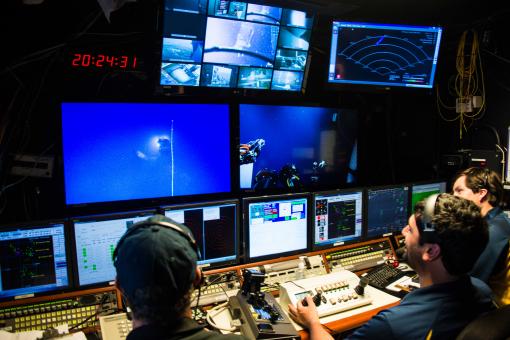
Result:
[[402, 136]]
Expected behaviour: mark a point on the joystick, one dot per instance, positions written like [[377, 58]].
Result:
[[360, 288]]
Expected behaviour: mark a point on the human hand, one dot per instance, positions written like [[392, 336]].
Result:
[[304, 315]]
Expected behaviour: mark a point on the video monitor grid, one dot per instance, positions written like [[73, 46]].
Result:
[[234, 44]]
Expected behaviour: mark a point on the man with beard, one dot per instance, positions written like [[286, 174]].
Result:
[[444, 238]]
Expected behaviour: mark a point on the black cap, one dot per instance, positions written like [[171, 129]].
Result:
[[151, 254]]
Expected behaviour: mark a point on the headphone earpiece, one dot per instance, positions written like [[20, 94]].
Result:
[[428, 229]]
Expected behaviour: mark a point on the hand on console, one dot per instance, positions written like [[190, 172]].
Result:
[[305, 314]]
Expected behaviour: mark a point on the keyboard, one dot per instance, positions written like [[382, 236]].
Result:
[[380, 277]]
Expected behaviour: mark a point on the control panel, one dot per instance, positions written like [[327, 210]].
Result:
[[78, 312], [332, 293], [216, 288], [359, 257], [115, 327], [296, 269]]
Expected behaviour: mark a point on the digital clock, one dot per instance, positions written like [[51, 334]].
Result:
[[82, 60]]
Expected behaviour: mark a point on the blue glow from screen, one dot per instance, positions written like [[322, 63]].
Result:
[[123, 151]]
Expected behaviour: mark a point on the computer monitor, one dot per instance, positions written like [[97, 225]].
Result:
[[338, 218], [296, 148], [387, 210], [95, 239], [387, 55], [420, 191], [34, 260], [233, 44], [275, 226], [215, 226], [128, 151]]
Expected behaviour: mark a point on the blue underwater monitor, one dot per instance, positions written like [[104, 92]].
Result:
[[234, 44], [383, 54], [126, 151], [34, 260], [290, 148]]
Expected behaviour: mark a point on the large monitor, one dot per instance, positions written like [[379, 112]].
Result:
[[234, 44], [34, 260], [383, 54], [338, 218], [420, 191], [275, 226], [95, 239], [126, 151], [387, 210], [294, 148], [215, 226]]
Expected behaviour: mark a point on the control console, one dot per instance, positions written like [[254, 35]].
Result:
[[217, 288], [356, 258], [332, 293]]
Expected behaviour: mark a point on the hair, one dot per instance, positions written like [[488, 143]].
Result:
[[483, 178], [461, 231], [157, 305]]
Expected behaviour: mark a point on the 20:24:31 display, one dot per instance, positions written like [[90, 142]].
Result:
[[104, 61]]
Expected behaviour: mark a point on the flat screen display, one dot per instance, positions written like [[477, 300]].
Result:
[[423, 190], [387, 210], [383, 54], [338, 218], [296, 147], [95, 239], [126, 151], [234, 44], [33, 260], [276, 226], [215, 228]]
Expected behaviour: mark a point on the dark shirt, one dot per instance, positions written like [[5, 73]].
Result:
[[497, 247], [187, 329], [445, 309]]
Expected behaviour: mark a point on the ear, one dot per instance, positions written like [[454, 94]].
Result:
[[432, 252], [482, 194]]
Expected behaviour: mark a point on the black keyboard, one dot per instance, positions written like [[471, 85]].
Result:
[[380, 277]]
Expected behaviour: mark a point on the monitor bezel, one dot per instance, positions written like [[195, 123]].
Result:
[[383, 187], [360, 238], [372, 87], [271, 198], [229, 91], [204, 204], [91, 208], [68, 248], [99, 217]]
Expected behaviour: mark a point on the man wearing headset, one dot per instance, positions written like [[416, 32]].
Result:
[[156, 264], [444, 237], [483, 186]]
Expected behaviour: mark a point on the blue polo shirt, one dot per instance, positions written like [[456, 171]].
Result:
[[445, 309], [499, 234]]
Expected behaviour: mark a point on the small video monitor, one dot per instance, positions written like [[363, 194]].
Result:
[[34, 260], [420, 191], [275, 226], [387, 210], [95, 239], [215, 228], [338, 218]]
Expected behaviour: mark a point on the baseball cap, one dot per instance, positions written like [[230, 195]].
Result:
[[152, 254]]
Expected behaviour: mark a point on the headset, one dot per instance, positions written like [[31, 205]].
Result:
[[187, 235], [428, 229]]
